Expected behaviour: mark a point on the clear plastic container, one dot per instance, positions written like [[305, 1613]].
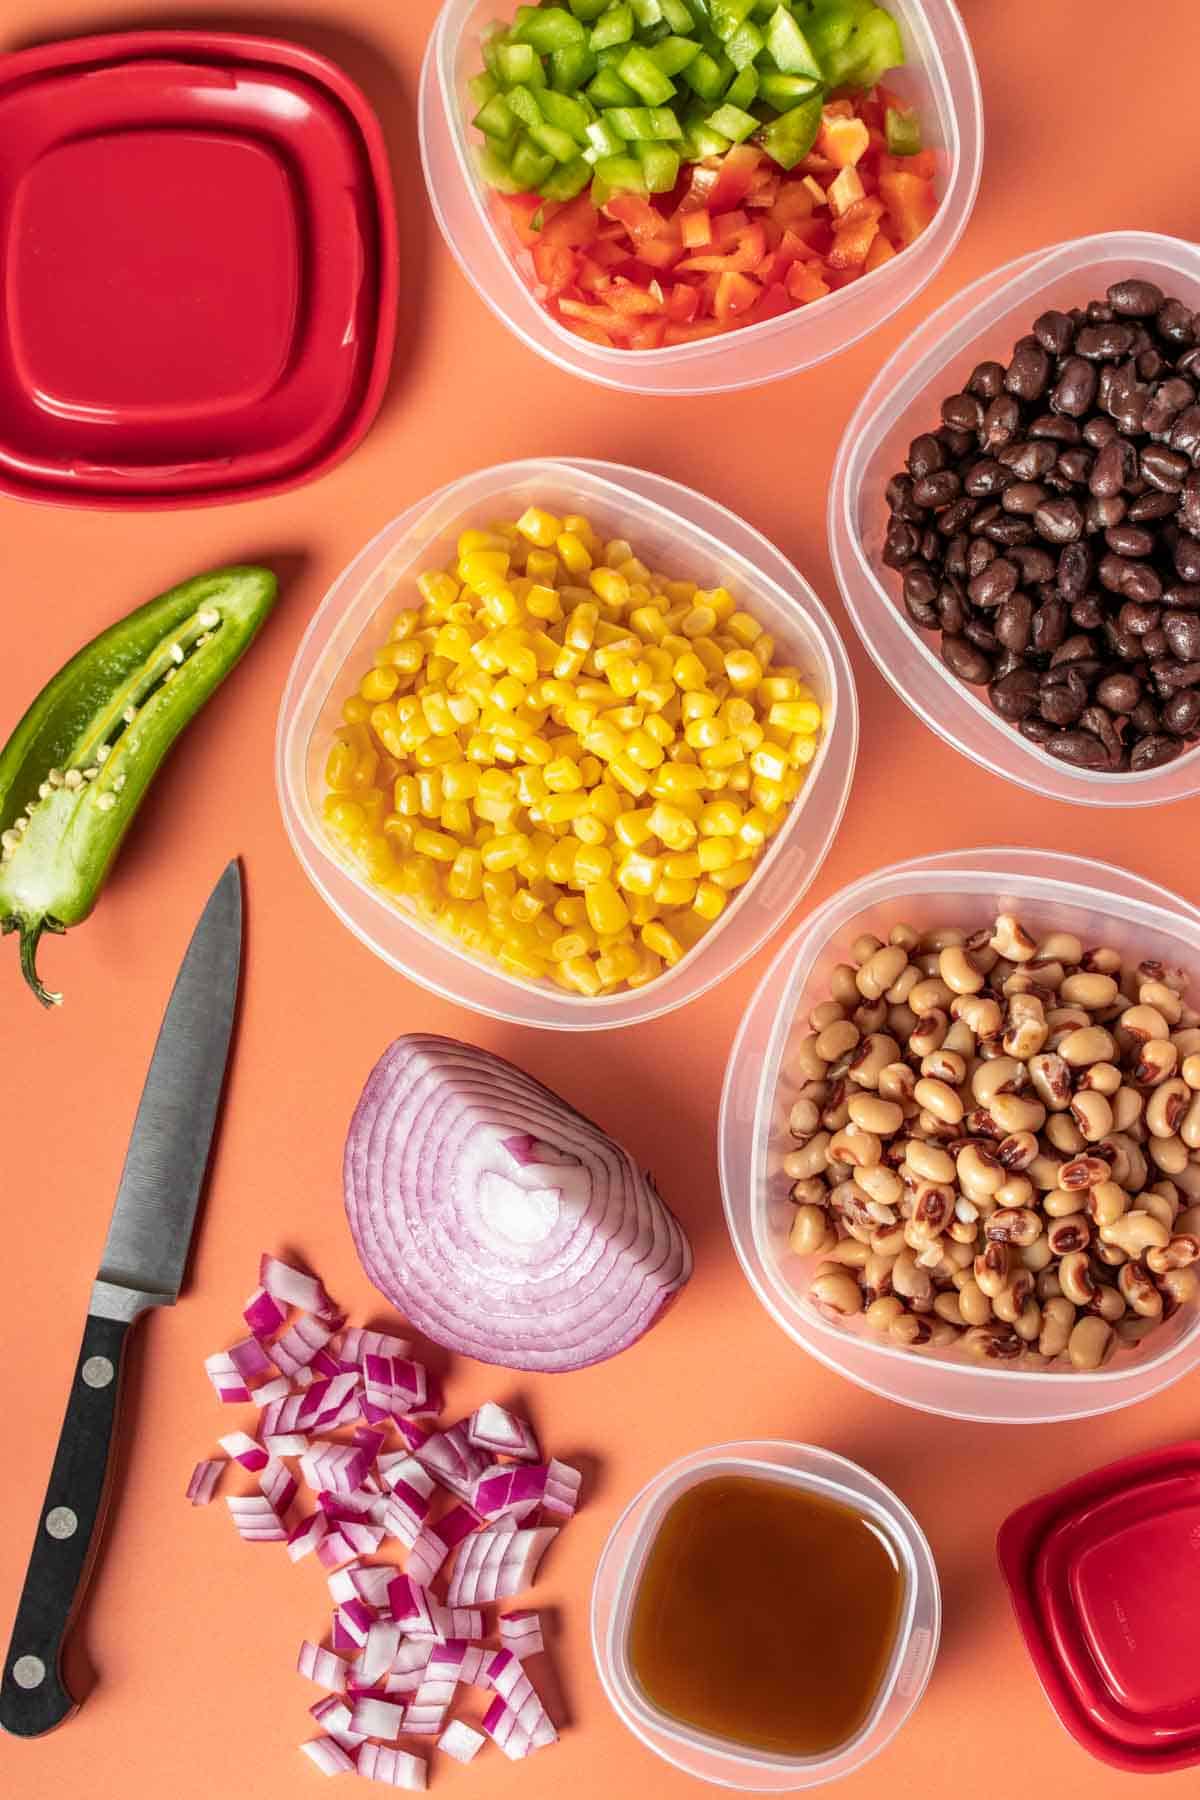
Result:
[[677, 529], [1100, 903], [616, 1584], [984, 320], [940, 78]]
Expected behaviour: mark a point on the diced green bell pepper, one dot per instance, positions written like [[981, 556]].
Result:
[[483, 87], [660, 167], [613, 27], [617, 174], [729, 15], [547, 28], [603, 137], [522, 103], [664, 124], [555, 142], [745, 46], [875, 47], [571, 68], [519, 65], [587, 10], [700, 140], [788, 47], [570, 115], [678, 17], [705, 76], [630, 123], [673, 54], [495, 171], [733, 123], [607, 89], [496, 119], [638, 68], [902, 130], [567, 180], [647, 12], [785, 91], [788, 139], [530, 166], [743, 89]]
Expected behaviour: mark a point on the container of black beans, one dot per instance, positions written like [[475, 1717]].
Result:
[[1021, 490]]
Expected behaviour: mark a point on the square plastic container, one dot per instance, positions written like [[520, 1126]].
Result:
[[984, 320], [675, 528], [615, 1588], [1100, 903], [940, 77]]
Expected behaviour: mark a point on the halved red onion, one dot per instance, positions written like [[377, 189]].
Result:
[[461, 1741], [497, 1219], [205, 1477], [496, 1564], [329, 1756], [322, 1666], [395, 1768], [502, 1433], [521, 1633]]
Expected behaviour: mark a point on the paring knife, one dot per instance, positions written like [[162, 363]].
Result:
[[142, 1266]]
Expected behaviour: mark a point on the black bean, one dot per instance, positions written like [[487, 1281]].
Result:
[[1176, 323], [1181, 713], [965, 661], [986, 477], [1034, 563], [994, 583], [1144, 717], [1001, 422], [1167, 402], [931, 545], [1049, 626], [1028, 374], [1054, 331], [1099, 431], [1138, 617], [1060, 521], [1028, 460], [1087, 613], [1149, 365], [1104, 343], [1056, 427], [1036, 729], [980, 633], [979, 553], [1023, 497], [952, 608], [1119, 692], [1162, 468], [1151, 506], [1189, 503], [1183, 593], [1063, 703], [937, 489], [1170, 676], [1182, 631], [1099, 311], [963, 411], [1187, 558], [955, 554], [1075, 390], [1109, 471], [1079, 748], [1128, 540], [987, 380], [1008, 531], [1014, 622], [1185, 433], [1102, 515], [925, 456], [1152, 752], [1015, 695], [1135, 299], [1072, 650], [957, 443], [1074, 466], [1075, 569], [1154, 644], [954, 517]]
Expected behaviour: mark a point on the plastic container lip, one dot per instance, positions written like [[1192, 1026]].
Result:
[[290, 172], [751, 1128], [717, 1760], [1111, 1643], [701, 533], [985, 318], [942, 71]]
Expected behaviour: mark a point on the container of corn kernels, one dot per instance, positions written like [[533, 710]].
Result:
[[1097, 902], [682, 533]]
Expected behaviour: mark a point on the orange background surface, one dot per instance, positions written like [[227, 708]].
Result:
[[191, 1633]]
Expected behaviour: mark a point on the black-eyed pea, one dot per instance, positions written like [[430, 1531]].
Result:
[[942, 1333], [933, 1208], [877, 974], [911, 1281], [877, 1273], [929, 1162], [1028, 1325], [809, 1060], [945, 1066], [1060, 1203], [827, 1013], [1170, 1155], [1187, 1223], [1135, 1232], [1061, 1019], [881, 1117], [1019, 1226], [998, 1074], [1109, 1255], [936, 1130], [1027, 1030], [1180, 1252], [947, 1307], [843, 985], [1092, 991], [1011, 940], [810, 1160], [1162, 998], [958, 971], [850, 1253], [1085, 1045], [1009, 1303], [910, 1331], [901, 1022], [979, 1013], [1076, 1278], [1068, 1234], [896, 1082], [811, 1233], [992, 1343], [1178, 1287], [959, 1041], [1126, 1161], [863, 948], [888, 1240], [855, 1147], [1106, 1203], [1101, 1078], [1064, 1134], [836, 1041], [1082, 1172], [870, 1015], [1107, 1303], [1137, 1289], [882, 1314], [1189, 1126], [1188, 1181], [875, 1053], [1102, 957], [835, 1114], [974, 1304], [804, 1119], [1163, 1207], [1049, 1287], [980, 1174], [1138, 1024], [1047, 971], [956, 1255], [1090, 1343], [1156, 1063], [837, 1174], [940, 1099], [1018, 1150], [1060, 946], [1045, 1171], [1052, 1080], [1189, 1069], [906, 936], [837, 1291], [1131, 1329], [929, 1033], [1093, 1115], [812, 1192], [1058, 1322], [881, 1185], [1037, 1256], [929, 995], [991, 1269], [1127, 1108]]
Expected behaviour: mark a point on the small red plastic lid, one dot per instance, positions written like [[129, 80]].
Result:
[[1105, 1580], [198, 269]]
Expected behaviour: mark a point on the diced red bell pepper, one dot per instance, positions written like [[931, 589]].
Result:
[[910, 203], [806, 283], [881, 251], [773, 303], [688, 334], [573, 224], [649, 334], [696, 229], [735, 177], [642, 221], [748, 248], [923, 164], [736, 294], [555, 266], [683, 303], [853, 238], [843, 140], [794, 202], [522, 209]]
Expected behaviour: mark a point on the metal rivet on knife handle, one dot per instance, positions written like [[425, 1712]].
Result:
[[97, 1371], [29, 1671], [61, 1522]]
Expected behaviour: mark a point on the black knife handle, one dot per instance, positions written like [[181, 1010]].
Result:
[[33, 1698]]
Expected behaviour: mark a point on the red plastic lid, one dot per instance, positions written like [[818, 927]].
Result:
[[1105, 1580], [198, 264]]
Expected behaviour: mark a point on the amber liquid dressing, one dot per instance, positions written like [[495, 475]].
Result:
[[766, 1615]]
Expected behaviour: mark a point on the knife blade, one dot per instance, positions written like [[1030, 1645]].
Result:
[[141, 1266]]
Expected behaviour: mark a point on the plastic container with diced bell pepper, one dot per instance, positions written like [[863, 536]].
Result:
[[694, 156]]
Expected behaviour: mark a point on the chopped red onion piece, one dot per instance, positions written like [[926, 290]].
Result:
[[370, 1440], [286, 1443], [402, 1681], [343, 1506], [226, 1378], [323, 1403], [340, 1637], [333, 1716], [365, 1538], [338, 1467], [475, 1658], [271, 1391], [263, 1313], [299, 1344], [521, 1633], [342, 1585], [239, 1447], [205, 1477], [278, 1483], [329, 1756], [395, 1768], [458, 1621], [357, 1343], [414, 1435], [373, 1585], [383, 1641], [356, 1619], [377, 1718], [443, 1460], [306, 1535], [461, 1741], [516, 1739], [527, 1725], [282, 1415], [562, 1489], [410, 1605], [250, 1359], [322, 1666], [427, 1555], [502, 1433], [301, 1377], [401, 1465], [427, 1713], [456, 1523], [327, 1365], [256, 1519], [334, 1548], [412, 1656], [504, 1489], [295, 1288], [496, 1564], [394, 1383]]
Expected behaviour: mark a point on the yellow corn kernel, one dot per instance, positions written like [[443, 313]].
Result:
[[725, 755], [769, 796], [455, 818], [429, 793], [721, 818], [796, 715], [573, 943], [632, 828], [605, 803], [407, 656], [632, 778], [541, 567], [570, 911], [770, 762], [662, 941], [580, 972], [648, 968], [406, 796], [617, 964], [379, 684], [542, 602], [638, 874], [688, 672], [589, 829], [540, 527], [642, 909], [437, 845], [339, 767], [698, 622], [744, 627], [573, 553], [560, 809], [499, 886], [711, 655], [560, 859], [610, 587], [437, 589], [671, 825], [606, 910], [464, 881], [593, 863], [526, 907], [683, 866], [562, 776], [744, 670], [344, 816], [398, 831], [715, 853], [702, 734], [355, 710], [735, 875], [674, 893], [678, 781], [710, 901], [505, 852], [482, 569]]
